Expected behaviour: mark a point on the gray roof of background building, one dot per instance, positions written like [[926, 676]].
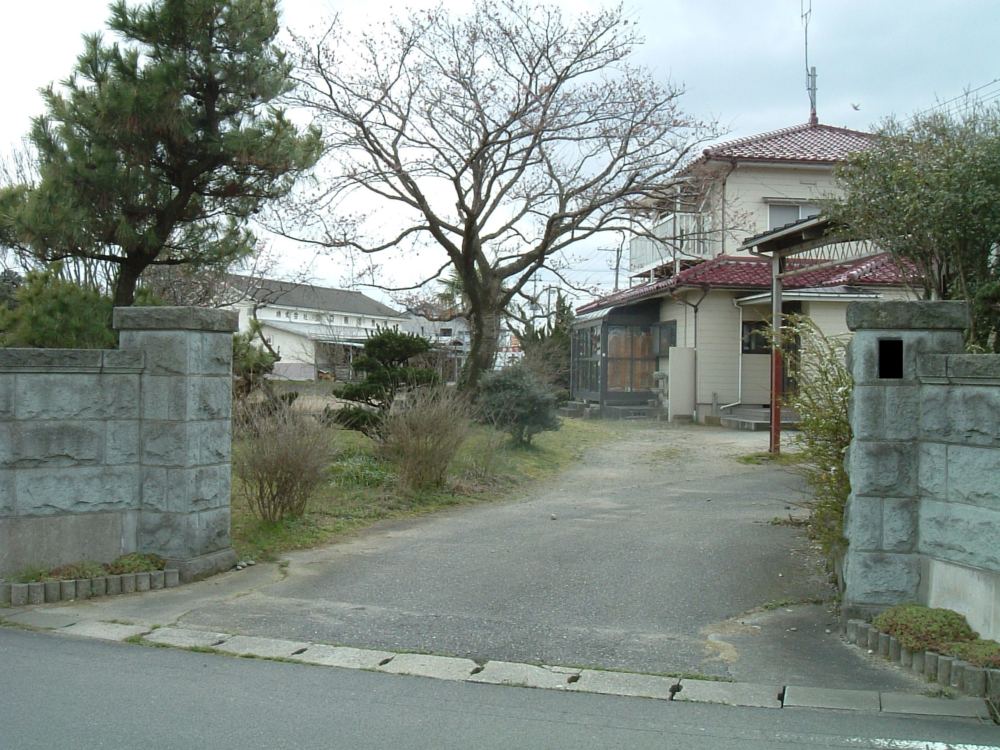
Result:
[[292, 294]]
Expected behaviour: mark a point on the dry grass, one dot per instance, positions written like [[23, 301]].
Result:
[[422, 433], [281, 459]]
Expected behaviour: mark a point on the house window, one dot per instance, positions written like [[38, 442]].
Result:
[[296, 315], [780, 214], [756, 337], [446, 332], [665, 336], [347, 320]]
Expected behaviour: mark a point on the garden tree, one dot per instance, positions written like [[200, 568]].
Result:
[[158, 148], [929, 192], [252, 363], [500, 138], [48, 311], [385, 361], [547, 349]]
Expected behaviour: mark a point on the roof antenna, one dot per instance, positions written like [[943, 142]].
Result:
[[810, 72]]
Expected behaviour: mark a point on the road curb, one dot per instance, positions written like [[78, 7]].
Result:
[[625, 684]]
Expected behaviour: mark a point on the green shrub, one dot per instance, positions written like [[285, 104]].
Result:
[[366, 420], [80, 570], [385, 363], [920, 628], [279, 460], [821, 399], [251, 362], [31, 575], [136, 562], [422, 433], [50, 312], [515, 401], [979, 653]]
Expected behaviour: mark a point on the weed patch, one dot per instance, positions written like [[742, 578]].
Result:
[[920, 628], [763, 457]]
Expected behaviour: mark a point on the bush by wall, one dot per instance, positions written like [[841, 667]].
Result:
[[821, 399], [279, 458]]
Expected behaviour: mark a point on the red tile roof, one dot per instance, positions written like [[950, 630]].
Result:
[[751, 273], [818, 144]]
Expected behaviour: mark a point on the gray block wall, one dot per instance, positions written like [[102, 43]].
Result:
[[109, 452], [923, 518]]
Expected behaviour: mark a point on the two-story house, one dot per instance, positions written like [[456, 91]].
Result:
[[689, 332]]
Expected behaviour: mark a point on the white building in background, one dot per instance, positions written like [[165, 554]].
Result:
[[318, 330]]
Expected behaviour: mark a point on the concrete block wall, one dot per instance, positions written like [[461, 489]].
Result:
[[69, 456], [923, 518], [109, 452]]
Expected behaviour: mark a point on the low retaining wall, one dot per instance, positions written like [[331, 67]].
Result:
[[923, 518], [104, 453]]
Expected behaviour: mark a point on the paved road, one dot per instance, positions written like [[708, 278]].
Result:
[[635, 559], [60, 692]]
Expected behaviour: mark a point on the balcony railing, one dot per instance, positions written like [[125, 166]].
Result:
[[683, 235]]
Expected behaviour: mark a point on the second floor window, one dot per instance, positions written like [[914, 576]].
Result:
[[780, 214]]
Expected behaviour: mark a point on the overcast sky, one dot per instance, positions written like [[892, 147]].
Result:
[[740, 61]]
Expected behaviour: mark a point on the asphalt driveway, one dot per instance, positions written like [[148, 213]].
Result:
[[656, 554]]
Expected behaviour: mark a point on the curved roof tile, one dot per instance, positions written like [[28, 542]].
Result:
[[822, 144], [752, 273]]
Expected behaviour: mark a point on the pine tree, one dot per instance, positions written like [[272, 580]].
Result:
[[159, 147]]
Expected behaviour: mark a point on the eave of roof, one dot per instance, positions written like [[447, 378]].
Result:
[[751, 273]]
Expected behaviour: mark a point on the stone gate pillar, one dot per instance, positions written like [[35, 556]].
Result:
[[882, 566], [185, 433]]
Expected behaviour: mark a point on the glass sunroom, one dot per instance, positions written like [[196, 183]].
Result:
[[615, 352]]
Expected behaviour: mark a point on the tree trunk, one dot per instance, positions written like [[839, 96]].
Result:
[[485, 325], [128, 279]]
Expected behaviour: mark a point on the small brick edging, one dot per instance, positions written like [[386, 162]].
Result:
[[946, 671], [46, 592]]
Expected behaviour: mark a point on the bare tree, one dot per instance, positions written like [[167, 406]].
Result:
[[501, 137]]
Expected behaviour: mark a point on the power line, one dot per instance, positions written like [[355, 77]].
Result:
[[965, 96]]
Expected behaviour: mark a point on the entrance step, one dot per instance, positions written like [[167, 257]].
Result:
[[756, 418]]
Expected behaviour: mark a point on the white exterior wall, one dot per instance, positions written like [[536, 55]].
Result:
[[298, 353], [749, 185], [717, 345], [829, 317]]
